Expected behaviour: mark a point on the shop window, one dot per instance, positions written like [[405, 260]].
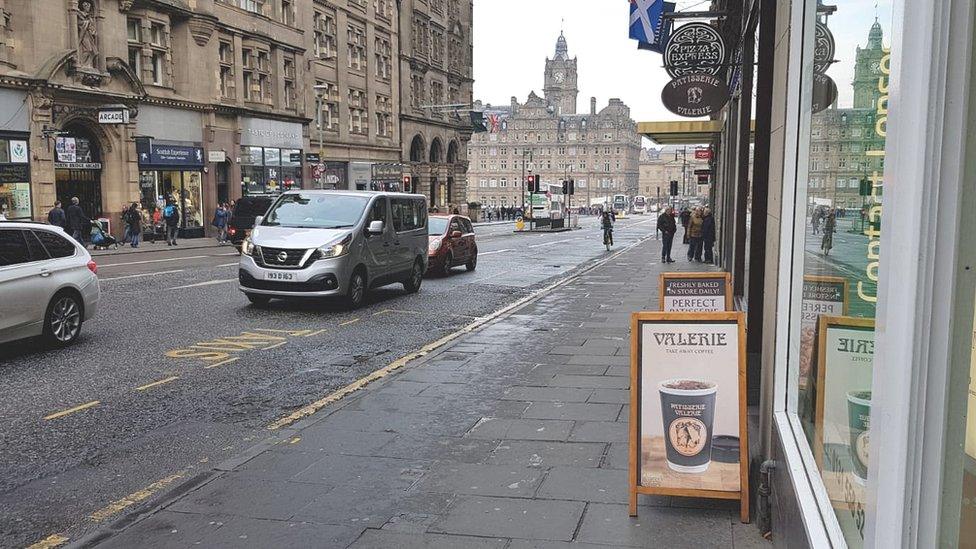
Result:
[[356, 38], [833, 370]]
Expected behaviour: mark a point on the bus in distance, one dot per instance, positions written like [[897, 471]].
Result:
[[620, 203], [640, 205]]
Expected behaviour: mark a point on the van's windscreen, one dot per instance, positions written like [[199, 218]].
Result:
[[316, 211]]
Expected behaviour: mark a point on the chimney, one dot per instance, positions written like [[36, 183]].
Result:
[[592, 105]]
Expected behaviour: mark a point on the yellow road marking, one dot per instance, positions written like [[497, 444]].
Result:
[[314, 407], [50, 542], [398, 311], [157, 383], [316, 332], [135, 497], [294, 333], [63, 413], [221, 363], [294, 440], [348, 322], [275, 346]]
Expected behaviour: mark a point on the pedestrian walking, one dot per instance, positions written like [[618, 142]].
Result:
[[220, 219], [56, 216], [708, 235], [667, 226], [171, 214], [133, 224], [695, 224], [78, 223]]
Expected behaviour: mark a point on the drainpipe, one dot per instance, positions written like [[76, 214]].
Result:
[[763, 517]]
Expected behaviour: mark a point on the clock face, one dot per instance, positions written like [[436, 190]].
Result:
[[559, 77]]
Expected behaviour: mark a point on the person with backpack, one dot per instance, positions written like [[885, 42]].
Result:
[[220, 219], [171, 214], [133, 224]]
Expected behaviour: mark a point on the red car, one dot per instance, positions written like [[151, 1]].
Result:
[[451, 243]]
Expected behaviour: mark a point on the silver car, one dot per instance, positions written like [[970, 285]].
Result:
[[48, 284], [335, 243]]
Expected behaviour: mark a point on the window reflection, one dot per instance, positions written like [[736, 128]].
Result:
[[844, 184]]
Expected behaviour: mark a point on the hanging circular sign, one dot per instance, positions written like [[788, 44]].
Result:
[[824, 92], [695, 95], [694, 48], [823, 49]]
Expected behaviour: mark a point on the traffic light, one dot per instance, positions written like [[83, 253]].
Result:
[[533, 183], [565, 186], [407, 184], [674, 188], [865, 188], [572, 186]]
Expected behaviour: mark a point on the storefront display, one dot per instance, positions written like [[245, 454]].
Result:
[[170, 171], [269, 170], [15, 195]]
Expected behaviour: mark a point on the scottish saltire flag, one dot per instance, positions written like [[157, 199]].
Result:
[[645, 20], [663, 33]]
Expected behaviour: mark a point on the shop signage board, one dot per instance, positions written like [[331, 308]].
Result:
[[14, 173], [18, 152], [703, 180], [703, 154], [823, 48], [695, 292], [78, 165], [694, 48], [156, 154], [824, 92], [695, 95], [313, 158], [216, 156], [688, 430], [842, 420], [703, 172], [113, 116]]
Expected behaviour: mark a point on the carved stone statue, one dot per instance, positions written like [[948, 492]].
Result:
[[87, 35]]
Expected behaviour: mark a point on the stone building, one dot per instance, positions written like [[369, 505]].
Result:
[[598, 149], [845, 144], [658, 167], [119, 101], [436, 69]]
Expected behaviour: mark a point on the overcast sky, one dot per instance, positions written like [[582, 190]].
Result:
[[512, 39]]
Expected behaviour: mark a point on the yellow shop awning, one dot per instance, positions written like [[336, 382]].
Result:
[[683, 132]]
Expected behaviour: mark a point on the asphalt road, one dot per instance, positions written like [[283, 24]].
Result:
[[177, 372]]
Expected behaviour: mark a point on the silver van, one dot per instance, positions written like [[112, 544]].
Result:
[[335, 243]]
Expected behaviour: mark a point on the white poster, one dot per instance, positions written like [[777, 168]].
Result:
[[689, 405], [66, 148], [18, 152]]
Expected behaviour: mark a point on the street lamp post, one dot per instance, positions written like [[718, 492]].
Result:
[[319, 102]]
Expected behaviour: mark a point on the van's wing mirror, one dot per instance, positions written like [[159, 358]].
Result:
[[258, 220], [375, 227]]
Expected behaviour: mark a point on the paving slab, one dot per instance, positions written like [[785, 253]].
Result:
[[610, 396], [655, 527], [532, 453], [479, 479], [384, 539], [572, 410], [554, 394], [596, 382], [585, 484], [524, 429], [600, 431], [512, 518]]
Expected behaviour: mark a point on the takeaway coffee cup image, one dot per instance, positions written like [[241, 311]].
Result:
[[859, 414], [688, 410]]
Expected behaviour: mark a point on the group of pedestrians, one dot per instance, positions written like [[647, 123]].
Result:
[[504, 213], [72, 219], [135, 220], [221, 221], [699, 233]]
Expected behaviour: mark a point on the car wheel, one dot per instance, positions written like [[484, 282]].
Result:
[[472, 263], [62, 320], [412, 285], [448, 263], [258, 300], [356, 294]]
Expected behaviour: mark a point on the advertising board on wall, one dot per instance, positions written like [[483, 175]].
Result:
[[688, 433]]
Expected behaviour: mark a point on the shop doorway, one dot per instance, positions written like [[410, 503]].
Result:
[[223, 176], [78, 170]]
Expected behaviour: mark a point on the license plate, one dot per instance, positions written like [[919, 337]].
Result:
[[279, 276]]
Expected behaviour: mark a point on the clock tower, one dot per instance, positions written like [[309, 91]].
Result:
[[867, 70], [560, 80]]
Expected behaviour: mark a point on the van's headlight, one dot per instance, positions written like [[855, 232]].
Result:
[[335, 248], [247, 247]]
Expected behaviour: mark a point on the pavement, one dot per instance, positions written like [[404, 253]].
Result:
[[512, 435], [177, 372]]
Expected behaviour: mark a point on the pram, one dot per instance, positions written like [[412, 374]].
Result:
[[101, 240]]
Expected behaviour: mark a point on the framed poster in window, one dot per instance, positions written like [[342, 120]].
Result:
[[688, 431]]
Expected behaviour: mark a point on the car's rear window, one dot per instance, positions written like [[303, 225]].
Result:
[[251, 207]]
